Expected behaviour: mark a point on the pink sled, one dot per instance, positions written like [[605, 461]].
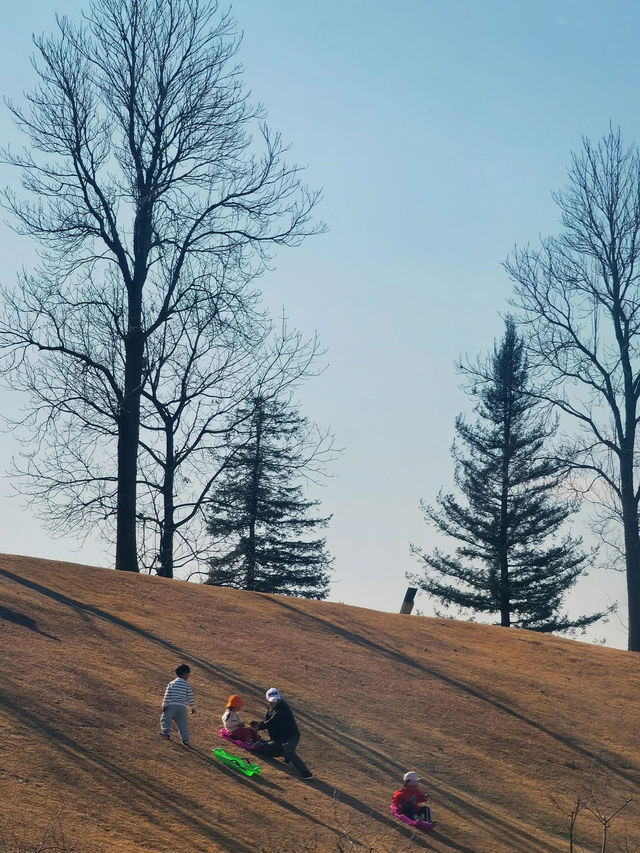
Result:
[[419, 824], [251, 747]]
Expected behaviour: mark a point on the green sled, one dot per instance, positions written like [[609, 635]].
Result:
[[240, 764]]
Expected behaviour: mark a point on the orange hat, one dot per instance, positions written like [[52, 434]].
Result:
[[234, 701]]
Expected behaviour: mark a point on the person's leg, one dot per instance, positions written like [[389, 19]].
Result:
[[167, 716], [271, 748], [180, 717], [245, 733], [165, 722], [425, 814], [290, 755]]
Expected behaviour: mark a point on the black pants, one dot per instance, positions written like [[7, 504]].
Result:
[[423, 813], [287, 748]]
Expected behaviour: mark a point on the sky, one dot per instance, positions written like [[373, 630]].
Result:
[[437, 131]]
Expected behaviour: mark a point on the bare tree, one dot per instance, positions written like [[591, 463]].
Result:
[[579, 295], [599, 796], [196, 373], [193, 407], [212, 354], [571, 811], [69, 427], [141, 166], [605, 819]]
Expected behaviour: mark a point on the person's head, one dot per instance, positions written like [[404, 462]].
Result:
[[273, 696], [183, 671], [234, 702], [411, 778]]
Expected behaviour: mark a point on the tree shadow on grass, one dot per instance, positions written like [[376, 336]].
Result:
[[83, 609], [260, 784], [25, 621], [484, 816], [342, 798], [364, 750], [488, 820], [151, 797], [612, 762]]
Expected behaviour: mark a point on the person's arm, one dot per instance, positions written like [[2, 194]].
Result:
[[190, 699], [264, 724], [399, 798]]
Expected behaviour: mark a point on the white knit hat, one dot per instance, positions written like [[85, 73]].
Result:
[[411, 776]]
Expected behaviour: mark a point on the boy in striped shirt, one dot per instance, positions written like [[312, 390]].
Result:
[[174, 705]]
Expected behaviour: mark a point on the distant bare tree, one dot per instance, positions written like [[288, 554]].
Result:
[[579, 296], [599, 797], [54, 838], [142, 170], [605, 819], [571, 811]]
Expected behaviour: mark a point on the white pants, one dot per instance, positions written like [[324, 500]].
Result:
[[177, 713]]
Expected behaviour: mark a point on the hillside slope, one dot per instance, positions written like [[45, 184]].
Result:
[[497, 722]]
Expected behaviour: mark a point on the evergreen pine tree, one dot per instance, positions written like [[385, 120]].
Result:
[[258, 512], [510, 560]]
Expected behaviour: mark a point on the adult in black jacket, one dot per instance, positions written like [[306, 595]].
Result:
[[283, 733]]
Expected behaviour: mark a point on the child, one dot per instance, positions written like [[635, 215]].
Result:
[[410, 800], [234, 725], [174, 705]]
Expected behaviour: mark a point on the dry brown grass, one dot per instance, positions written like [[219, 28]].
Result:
[[496, 721]]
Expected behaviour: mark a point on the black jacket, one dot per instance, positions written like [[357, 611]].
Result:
[[280, 723]]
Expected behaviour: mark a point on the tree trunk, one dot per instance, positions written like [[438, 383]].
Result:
[[503, 555], [168, 509], [128, 437], [250, 565], [129, 424], [632, 549], [126, 548], [250, 576], [632, 559], [503, 566]]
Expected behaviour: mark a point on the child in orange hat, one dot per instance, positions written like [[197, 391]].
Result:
[[234, 725]]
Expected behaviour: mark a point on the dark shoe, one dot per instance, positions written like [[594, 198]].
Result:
[[164, 735], [306, 777], [186, 743]]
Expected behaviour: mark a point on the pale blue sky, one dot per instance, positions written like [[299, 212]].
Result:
[[438, 130]]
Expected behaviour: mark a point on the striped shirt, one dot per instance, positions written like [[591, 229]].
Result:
[[179, 692]]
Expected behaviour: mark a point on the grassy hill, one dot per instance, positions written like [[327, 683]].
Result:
[[507, 728]]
